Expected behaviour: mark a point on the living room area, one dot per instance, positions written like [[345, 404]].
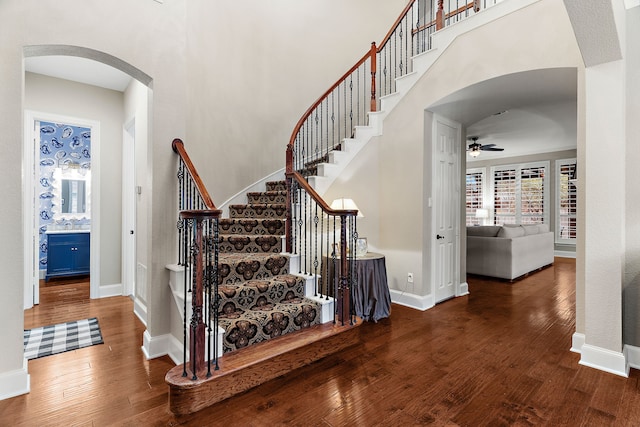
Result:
[[521, 174]]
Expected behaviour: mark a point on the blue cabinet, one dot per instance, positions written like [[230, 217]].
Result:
[[67, 254]]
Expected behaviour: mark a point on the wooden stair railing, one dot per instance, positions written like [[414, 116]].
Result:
[[198, 254], [346, 104], [313, 234]]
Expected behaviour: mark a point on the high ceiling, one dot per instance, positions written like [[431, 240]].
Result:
[[78, 69], [524, 113]]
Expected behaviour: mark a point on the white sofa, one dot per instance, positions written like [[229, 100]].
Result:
[[508, 251]]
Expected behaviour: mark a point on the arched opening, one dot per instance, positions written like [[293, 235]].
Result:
[[123, 132]]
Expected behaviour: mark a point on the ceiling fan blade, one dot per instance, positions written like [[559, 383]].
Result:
[[488, 145], [492, 149]]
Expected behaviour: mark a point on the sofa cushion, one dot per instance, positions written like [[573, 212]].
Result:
[[543, 228], [530, 229], [483, 230], [511, 232]]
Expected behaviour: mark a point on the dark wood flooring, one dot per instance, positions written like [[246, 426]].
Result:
[[497, 357]]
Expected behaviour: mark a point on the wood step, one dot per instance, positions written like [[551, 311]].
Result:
[[242, 370]]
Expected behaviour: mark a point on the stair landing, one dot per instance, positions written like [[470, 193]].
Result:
[[257, 364]]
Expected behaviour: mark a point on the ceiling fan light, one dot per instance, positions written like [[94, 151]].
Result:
[[474, 153]]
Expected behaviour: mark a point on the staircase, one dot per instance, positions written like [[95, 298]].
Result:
[[259, 299]]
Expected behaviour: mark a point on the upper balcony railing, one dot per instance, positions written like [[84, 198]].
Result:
[[346, 104]]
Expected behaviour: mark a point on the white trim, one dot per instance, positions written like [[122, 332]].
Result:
[[577, 341], [153, 347], [140, 310], [241, 196], [632, 353], [463, 289], [629, 4], [175, 350], [518, 167], [16, 382], [564, 254], [418, 302], [603, 359], [559, 163], [106, 291]]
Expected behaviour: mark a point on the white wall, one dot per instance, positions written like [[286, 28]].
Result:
[[260, 65], [631, 290], [63, 97]]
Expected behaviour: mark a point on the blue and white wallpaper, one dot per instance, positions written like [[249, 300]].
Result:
[[60, 145]]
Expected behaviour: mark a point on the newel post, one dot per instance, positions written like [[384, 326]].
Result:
[[476, 5], [440, 15], [344, 291], [374, 67], [196, 338]]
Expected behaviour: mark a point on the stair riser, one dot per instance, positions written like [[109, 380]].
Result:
[[261, 325], [258, 211], [231, 271], [250, 244], [276, 186], [269, 198], [254, 294]]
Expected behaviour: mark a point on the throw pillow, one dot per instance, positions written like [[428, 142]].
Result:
[[511, 232], [530, 229]]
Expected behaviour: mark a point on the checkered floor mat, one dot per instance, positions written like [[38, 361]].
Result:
[[53, 339]]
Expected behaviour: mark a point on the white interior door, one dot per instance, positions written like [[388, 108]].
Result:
[[128, 211], [446, 184]]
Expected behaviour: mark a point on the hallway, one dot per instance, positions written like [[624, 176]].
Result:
[[499, 356]]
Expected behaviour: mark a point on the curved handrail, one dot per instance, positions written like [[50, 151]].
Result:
[[313, 106], [317, 198], [394, 27], [178, 147]]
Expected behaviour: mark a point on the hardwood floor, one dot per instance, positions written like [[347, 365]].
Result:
[[497, 357]]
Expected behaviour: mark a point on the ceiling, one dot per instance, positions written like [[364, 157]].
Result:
[[78, 69], [524, 113]]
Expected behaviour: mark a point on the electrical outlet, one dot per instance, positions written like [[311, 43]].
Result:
[[410, 277]]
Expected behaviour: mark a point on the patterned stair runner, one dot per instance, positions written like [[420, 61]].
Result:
[[259, 300]]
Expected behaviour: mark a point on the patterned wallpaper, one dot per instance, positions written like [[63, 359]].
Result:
[[60, 145]]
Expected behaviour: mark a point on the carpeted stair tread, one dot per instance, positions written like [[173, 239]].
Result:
[[248, 226], [265, 321], [250, 243], [258, 210]]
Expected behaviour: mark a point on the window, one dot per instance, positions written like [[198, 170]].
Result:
[[520, 193], [475, 194], [566, 219]]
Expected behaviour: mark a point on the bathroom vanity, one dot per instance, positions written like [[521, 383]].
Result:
[[68, 253]]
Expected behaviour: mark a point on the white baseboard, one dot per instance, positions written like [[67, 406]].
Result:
[[577, 341], [107, 291], [175, 350], [632, 353], [411, 300], [464, 289], [564, 254], [140, 310], [14, 383], [153, 347], [603, 359]]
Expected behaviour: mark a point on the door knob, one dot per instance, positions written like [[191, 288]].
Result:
[[439, 237]]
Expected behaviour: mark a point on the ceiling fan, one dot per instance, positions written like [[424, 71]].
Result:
[[475, 147]]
